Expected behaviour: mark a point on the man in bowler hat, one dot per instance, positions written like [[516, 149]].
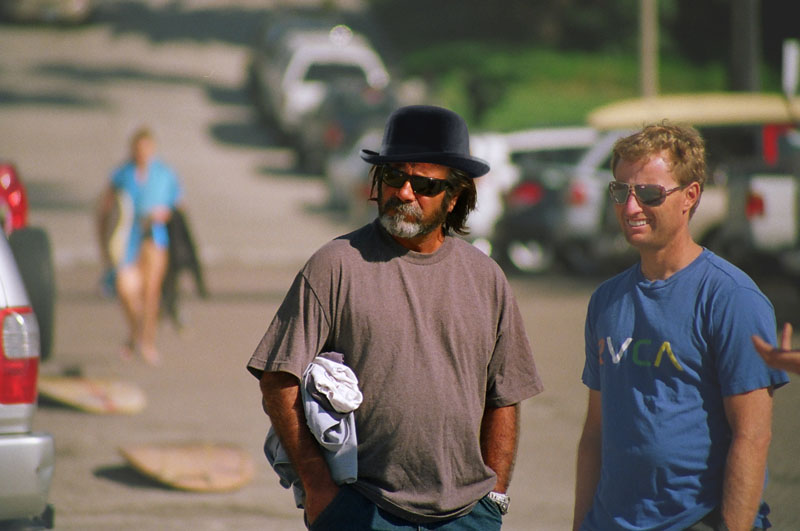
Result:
[[429, 326]]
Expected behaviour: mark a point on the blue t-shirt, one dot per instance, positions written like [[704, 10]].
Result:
[[664, 354], [161, 189]]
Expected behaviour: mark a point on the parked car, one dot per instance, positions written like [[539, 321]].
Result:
[[762, 230], [297, 57], [576, 212], [27, 458], [735, 127], [32, 251], [347, 180], [347, 110], [522, 208]]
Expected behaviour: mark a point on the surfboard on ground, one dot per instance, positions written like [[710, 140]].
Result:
[[192, 466], [93, 395]]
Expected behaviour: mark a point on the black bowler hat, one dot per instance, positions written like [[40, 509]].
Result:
[[424, 133]]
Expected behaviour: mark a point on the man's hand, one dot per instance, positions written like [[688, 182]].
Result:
[[283, 403], [318, 499], [780, 358]]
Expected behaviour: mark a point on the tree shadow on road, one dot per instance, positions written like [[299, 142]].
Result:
[[173, 22], [28, 97], [232, 25]]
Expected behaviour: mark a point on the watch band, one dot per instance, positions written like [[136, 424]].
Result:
[[501, 500]]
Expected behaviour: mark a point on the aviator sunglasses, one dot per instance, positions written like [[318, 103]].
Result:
[[427, 186], [646, 194]]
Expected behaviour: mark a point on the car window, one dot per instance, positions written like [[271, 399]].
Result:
[[331, 72]]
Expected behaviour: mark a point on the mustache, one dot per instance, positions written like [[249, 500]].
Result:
[[402, 207]]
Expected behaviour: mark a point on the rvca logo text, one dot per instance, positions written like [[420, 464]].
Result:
[[643, 353]]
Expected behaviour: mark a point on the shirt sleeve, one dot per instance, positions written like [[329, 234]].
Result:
[[513, 376], [296, 335], [738, 315]]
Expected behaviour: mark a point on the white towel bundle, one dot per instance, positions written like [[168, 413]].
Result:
[[337, 382]]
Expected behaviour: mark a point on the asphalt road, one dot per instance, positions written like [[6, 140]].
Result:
[[69, 99]]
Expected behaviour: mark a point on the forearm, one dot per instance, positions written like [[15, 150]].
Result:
[[587, 478], [282, 402], [744, 481], [499, 439], [750, 418]]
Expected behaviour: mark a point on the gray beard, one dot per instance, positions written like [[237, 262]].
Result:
[[398, 226]]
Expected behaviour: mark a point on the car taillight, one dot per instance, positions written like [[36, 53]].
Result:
[[577, 195], [13, 194], [333, 136], [526, 194], [19, 356], [754, 206]]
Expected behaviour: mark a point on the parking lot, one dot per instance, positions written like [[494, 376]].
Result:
[[69, 98]]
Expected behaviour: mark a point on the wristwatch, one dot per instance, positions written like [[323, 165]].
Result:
[[501, 500]]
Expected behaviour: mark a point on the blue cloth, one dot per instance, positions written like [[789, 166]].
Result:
[[664, 354], [334, 431], [161, 188]]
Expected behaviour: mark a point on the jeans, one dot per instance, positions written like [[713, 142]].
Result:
[[350, 511]]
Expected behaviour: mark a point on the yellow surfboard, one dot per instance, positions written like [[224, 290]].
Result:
[[119, 228], [193, 466], [93, 395]]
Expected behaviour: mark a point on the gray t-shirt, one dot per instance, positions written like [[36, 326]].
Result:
[[433, 339]]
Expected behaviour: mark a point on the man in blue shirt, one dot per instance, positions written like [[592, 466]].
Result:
[[678, 423], [147, 191]]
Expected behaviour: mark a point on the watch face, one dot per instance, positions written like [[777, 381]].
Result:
[[501, 500]]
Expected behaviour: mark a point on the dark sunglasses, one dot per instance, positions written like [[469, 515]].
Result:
[[646, 194], [396, 178]]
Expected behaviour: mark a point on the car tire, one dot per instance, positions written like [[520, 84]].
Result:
[[31, 248]]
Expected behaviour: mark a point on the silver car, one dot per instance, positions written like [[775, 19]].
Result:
[[27, 458]]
